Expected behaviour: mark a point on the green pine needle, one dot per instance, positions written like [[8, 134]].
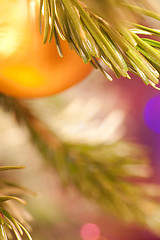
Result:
[[8, 221], [95, 37]]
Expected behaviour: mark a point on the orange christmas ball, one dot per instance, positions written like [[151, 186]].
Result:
[[30, 80], [32, 69]]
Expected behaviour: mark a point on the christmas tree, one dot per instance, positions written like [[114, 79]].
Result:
[[87, 151]]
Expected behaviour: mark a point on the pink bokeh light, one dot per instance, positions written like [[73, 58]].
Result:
[[90, 231]]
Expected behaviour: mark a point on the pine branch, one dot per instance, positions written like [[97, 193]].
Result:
[[101, 173], [11, 214], [100, 35]]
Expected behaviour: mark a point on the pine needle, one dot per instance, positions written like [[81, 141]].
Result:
[[7, 220], [98, 31]]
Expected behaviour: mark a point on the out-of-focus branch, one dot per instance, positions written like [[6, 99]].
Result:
[[99, 172]]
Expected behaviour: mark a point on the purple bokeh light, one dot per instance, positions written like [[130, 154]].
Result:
[[152, 114]]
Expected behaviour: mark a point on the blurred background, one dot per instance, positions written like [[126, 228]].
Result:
[[93, 111]]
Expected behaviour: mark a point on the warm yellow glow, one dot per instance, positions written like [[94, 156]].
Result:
[[26, 76], [32, 8], [12, 25], [36, 1]]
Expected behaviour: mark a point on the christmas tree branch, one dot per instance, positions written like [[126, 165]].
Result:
[[11, 214], [102, 173], [111, 39]]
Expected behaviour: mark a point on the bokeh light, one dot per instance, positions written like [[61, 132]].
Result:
[[152, 114], [90, 231], [13, 26]]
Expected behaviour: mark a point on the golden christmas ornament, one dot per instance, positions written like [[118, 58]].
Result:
[[30, 68]]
